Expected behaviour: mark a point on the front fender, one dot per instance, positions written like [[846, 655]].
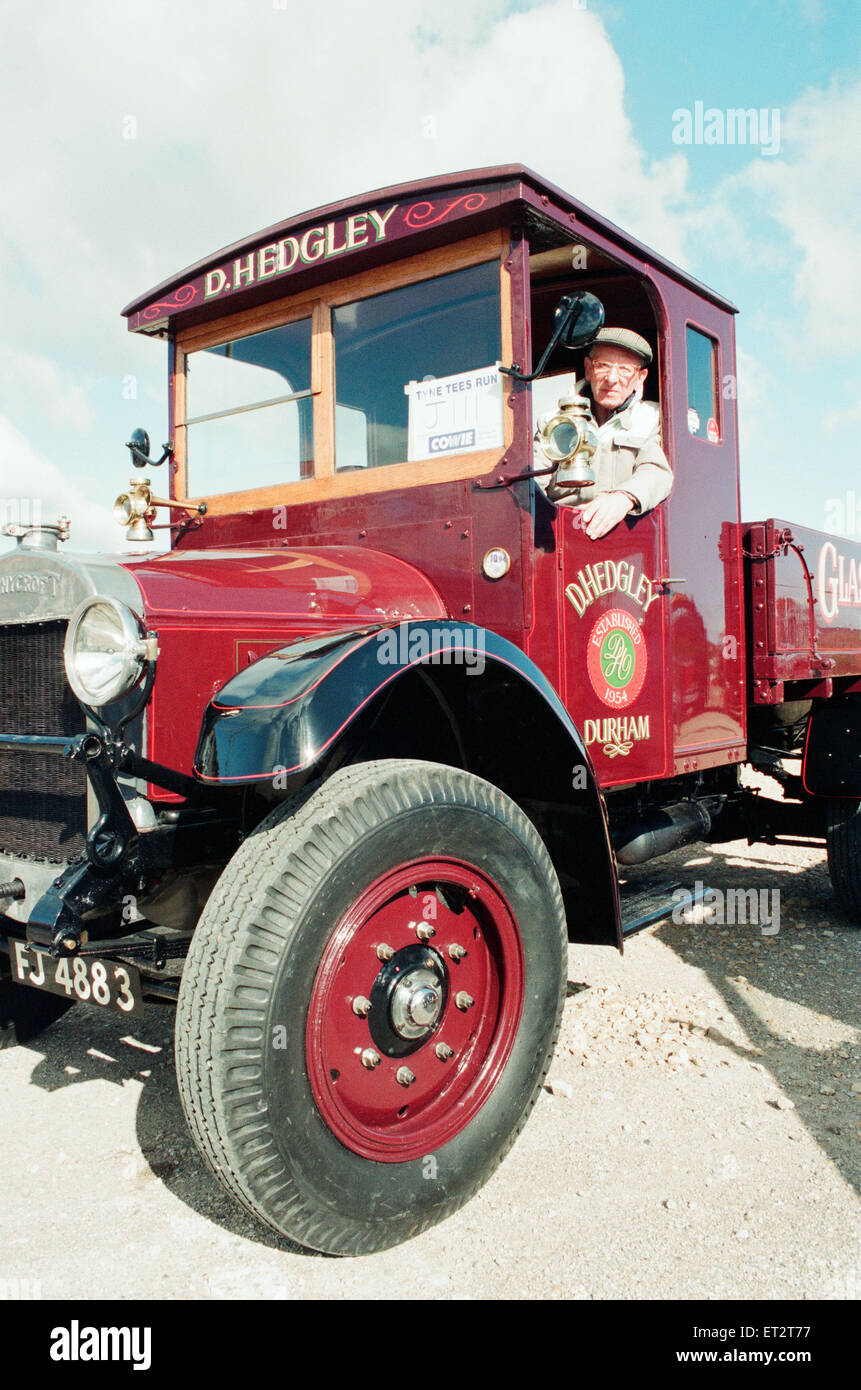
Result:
[[286, 714]]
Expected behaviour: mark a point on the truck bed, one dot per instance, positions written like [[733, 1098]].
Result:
[[803, 597]]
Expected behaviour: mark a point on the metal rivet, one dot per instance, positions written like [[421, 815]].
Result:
[[385, 952], [456, 951], [463, 1000], [361, 1006], [370, 1058], [443, 1051], [404, 1076], [425, 932]]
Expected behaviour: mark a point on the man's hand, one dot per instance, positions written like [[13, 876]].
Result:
[[605, 511]]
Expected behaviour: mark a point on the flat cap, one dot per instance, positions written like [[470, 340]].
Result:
[[624, 338]]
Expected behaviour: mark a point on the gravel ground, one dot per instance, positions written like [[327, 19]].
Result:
[[698, 1137]]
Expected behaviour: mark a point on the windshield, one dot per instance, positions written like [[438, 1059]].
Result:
[[402, 376], [250, 411]]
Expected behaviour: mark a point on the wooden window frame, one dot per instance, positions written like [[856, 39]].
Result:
[[318, 305]]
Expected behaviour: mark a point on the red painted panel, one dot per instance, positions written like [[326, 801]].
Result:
[[614, 635], [806, 605], [702, 516], [212, 608]]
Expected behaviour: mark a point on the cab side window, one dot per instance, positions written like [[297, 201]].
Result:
[[702, 368]]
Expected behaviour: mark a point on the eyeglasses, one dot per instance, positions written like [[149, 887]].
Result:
[[625, 374]]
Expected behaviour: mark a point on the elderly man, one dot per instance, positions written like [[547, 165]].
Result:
[[631, 469]]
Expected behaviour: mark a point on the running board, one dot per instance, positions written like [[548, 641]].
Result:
[[650, 905]]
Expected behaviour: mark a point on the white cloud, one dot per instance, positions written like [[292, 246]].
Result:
[[798, 216], [39, 385], [33, 490], [814, 195], [244, 116], [246, 113]]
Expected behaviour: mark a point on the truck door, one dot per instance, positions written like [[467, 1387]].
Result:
[[613, 623], [704, 610]]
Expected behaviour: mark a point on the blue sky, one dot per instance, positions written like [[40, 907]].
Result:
[[245, 111]]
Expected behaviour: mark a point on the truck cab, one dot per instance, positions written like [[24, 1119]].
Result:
[[378, 733]]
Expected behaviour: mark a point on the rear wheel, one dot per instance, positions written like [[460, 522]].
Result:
[[370, 1003], [844, 853]]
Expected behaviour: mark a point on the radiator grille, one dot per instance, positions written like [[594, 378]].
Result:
[[43, 797]]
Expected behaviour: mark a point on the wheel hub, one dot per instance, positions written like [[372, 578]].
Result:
[[407, 1000], [391, 989], [416, 1004]]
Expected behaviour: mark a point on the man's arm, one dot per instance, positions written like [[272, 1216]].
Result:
[[652, 478], [650, 482]]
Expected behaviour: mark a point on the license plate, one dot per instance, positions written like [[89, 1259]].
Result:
[[84, 978]]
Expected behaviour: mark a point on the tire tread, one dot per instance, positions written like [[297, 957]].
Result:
[[228, 1123]]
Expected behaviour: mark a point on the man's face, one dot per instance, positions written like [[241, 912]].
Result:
[[613, 373]]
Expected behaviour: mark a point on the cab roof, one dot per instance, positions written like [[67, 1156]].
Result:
[[382, 225]]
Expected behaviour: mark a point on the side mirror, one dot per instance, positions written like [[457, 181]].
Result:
[[576, 320], [138, 447]]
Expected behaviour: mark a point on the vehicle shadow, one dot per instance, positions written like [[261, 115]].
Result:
[[86, 1045], [794, 993], [789, 977]]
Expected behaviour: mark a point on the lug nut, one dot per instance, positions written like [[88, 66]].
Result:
[[385, 952], [404, 1076], [361, 1006], [370, 1058], [443, 1051], [456, 951], [425, 932], [463, 1000]]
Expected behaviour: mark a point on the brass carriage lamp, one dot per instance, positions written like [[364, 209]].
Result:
[[568, 440], [135, 510]]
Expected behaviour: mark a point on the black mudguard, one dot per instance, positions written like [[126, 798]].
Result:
[[831, 765], [285, 715]]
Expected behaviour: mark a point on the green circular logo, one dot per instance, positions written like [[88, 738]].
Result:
[[618, 659]]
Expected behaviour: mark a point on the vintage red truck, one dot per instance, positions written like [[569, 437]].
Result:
[[375, 737]]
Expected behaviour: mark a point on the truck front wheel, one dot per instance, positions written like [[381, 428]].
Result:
[[370, 1003], [843, 834]]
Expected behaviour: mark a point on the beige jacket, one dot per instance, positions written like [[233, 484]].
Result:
[[629, 458]]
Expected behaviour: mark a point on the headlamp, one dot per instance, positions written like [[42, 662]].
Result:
[[107, 651]]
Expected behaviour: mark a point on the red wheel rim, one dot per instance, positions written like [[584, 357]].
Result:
[[371, 1107]]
